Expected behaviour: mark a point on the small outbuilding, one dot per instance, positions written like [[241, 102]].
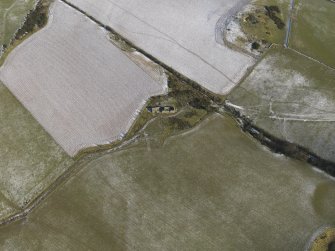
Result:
[[161, 109]]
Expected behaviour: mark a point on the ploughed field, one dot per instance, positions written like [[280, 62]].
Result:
[[292, 98], [181, 34], [81, 88], [210, 188]]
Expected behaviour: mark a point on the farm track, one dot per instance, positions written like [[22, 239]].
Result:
[[289, 24], [85, 159], [311, 58]]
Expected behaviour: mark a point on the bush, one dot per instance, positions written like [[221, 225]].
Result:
[[273, 8], [178, 123], [35, 19], [271, 12], [200, 103], [255, 46]]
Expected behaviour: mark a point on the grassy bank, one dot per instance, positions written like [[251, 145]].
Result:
[[35, 20]]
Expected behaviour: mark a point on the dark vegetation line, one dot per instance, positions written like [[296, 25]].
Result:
[[36, 19], [271, 12], [281, 146]]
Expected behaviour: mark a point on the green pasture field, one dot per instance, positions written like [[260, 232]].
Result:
[[30, 159], [292, 98], [208, 188], [313, 30], [265, 28]]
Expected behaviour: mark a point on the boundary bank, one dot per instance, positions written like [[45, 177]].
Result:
[[277, 145]]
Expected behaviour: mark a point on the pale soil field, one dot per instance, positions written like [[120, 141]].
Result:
[[313, 30], [180, 34], [293, 98], [12, 16], [30, 159], [211, 188], [81, 88]]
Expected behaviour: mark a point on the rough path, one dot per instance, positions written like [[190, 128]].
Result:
[[289, 25]]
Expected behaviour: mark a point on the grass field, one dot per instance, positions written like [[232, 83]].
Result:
[[265, 28], [293, 98], [313, 32], [12, 15], [257, 26], [206, 189], [30, 159]]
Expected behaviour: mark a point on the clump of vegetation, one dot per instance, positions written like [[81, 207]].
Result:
[[178, 123], [271, 12], [262, 26], [273, 8], [35, 20], [186, 94], [325, 241], [191, 103], [252, 19], [200, 103], [255, 46], [120, 43]]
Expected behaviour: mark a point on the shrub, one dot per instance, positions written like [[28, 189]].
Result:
[[271, 12], [200, 103], [255, 46]]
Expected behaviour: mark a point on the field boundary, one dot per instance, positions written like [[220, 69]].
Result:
[[277, 145]]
